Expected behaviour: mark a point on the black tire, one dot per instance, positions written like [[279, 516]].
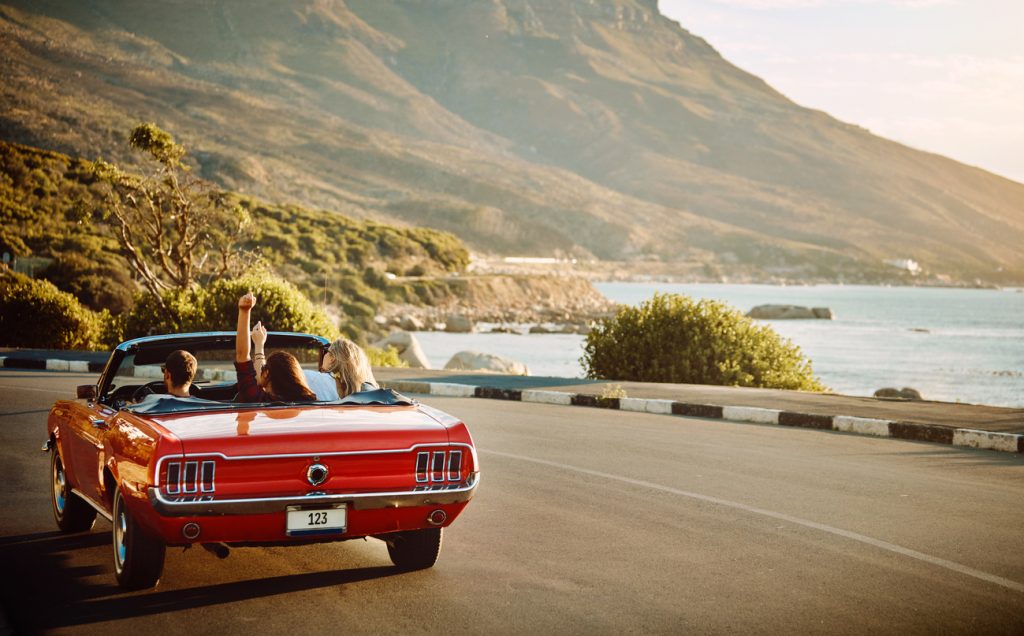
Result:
[[415, 549], [70, 512], [138, 556]]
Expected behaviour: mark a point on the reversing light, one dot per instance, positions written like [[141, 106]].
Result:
[[437, 517]]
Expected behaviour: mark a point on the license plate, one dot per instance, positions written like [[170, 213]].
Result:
[[315, 521]]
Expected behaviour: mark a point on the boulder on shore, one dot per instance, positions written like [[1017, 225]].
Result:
[[458, 323], [408, 348], [477, 361], [906, 393], [409, 322], [790, 312]]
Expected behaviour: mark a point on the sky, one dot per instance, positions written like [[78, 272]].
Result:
[[945, 76]]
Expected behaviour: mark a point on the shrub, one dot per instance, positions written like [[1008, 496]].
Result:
[[671, 338], [148, 318], [35, 314], [387, 357], [279, 305], [98, 283]]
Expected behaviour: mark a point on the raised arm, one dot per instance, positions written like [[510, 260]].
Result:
[[245, 305], [259, 338]]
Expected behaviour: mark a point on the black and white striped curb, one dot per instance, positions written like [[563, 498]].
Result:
[[82, 366], [52, 364], [970, 438]]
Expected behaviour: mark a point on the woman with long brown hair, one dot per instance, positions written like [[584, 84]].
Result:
[[261, 378]]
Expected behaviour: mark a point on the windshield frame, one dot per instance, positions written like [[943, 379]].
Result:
[[153, 345]]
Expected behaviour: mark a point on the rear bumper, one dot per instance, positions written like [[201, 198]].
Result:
[[207, 505]]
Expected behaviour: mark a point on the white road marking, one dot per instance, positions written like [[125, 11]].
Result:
[[884, 545]]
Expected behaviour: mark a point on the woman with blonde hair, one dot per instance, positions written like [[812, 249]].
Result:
[[348, 365]]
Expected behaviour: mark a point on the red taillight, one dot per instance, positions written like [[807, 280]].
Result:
[[438, 466], [190, 477]]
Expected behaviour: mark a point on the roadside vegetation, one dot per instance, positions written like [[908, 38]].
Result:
[[143, 253], [672, 338]]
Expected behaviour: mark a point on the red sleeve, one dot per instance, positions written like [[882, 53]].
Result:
[[248, 390]]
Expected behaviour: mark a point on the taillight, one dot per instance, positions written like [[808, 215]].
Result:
[[438, 466], [190, 477]]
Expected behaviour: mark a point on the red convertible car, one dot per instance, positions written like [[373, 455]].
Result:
[[172, 471]]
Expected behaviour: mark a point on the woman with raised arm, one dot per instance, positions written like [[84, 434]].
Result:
[[273, 378], [348, 365]]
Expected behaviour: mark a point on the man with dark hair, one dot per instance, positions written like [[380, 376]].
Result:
[[179, 370]]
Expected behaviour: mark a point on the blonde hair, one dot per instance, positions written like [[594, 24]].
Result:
[[351, 367]]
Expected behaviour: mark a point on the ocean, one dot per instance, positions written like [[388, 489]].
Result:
[[954, 345]]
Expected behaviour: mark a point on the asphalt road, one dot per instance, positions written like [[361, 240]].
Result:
[[586, 521]]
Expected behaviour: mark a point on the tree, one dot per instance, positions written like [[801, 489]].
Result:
[[672, 338], [34, 313], [173, 228]]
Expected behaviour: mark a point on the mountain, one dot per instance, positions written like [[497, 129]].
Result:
[[588, 127]]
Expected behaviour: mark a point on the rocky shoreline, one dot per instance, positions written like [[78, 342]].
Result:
[[512, 304]]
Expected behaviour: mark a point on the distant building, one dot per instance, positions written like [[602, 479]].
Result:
[[907, 264]]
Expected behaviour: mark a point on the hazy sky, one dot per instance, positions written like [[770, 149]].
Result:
[[940, 75]]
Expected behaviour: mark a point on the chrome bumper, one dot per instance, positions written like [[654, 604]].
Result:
[[208, 505]]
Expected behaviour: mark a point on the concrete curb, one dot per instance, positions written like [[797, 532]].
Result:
[[965, 437], [52, 364]]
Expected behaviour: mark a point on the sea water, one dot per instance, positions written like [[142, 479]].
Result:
[[950, 344]]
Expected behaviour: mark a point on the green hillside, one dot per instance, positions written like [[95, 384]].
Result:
[[523, 126], [48, 209]]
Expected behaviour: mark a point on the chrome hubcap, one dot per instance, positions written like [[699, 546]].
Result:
[[59, 487], [120, 530]]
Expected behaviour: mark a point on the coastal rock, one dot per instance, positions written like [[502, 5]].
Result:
[[789, 312], [409, 322], [477, 361], [408, 348], [540, 329], [458, 323], [906, 393]]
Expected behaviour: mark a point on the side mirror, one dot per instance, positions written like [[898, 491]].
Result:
[[86, 391]]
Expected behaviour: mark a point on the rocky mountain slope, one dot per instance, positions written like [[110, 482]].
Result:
[[590, 127]]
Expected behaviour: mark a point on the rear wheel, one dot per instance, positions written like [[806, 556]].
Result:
[[69, 511], [415, 549], [138, 556]]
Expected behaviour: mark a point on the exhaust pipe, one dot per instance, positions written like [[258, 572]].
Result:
[[220, 550]]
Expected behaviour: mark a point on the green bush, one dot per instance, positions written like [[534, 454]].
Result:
[[35, 314], [387, 357], [148, 318], [279, 305], [671, 338], [96, 281]]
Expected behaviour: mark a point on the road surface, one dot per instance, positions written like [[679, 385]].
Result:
[[586, 521]]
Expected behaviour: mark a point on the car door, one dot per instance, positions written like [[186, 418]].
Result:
[[84, 440]]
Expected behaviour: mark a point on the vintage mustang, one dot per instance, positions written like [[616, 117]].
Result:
[[170, 471]]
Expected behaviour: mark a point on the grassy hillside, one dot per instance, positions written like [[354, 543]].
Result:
[[523, 126], [48, 206]]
